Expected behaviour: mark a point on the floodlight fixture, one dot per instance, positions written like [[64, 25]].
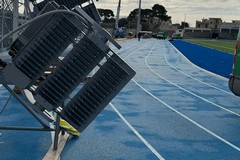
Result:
[[77, 64], [97, 93], [40, 46], [87, 5]]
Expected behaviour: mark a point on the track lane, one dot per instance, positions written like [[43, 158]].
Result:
[[170, 134], [169, 73], [208, 102]]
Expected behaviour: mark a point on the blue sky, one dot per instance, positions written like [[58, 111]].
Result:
[[194, 10]]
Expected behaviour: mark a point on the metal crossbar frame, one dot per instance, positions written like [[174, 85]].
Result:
[[45, 127]]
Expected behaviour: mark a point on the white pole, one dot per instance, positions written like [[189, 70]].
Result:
[[2, 23], [15, 17], [27, 9], [118, 13], [139, 17], [184, 21]]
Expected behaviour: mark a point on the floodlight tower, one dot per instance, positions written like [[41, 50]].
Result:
[[6, 17], [9, 17]]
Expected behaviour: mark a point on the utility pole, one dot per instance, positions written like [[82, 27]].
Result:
[[118, 13], [184, 21], [139, 17]]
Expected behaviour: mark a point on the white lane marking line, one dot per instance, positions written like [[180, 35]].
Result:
[[193, 77], [126, 49], [136, 133], [187, 118], [194, 65], [186, 89], [190, 120], [134, 51]]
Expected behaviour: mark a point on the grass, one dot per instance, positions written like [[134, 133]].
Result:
[[225, 46]]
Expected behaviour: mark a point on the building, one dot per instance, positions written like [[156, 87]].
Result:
[[197, 33], [202, 24], [213, 28], [213, 23], [157, 25], [229, 30]]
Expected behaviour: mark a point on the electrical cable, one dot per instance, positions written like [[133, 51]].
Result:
[[31, 21], [42, 16]]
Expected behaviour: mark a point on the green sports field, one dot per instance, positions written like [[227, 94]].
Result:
[[225, 46]]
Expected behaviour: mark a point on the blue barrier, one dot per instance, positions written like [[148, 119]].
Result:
[[212, 60]]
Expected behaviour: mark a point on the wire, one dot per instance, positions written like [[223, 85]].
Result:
[[39, 17], [5, 105]]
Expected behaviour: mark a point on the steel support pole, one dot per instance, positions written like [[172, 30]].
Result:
[[23, 128], [15, 17], [57, 131], [139, 17], [27, 9], [118, 13], [2, 23]]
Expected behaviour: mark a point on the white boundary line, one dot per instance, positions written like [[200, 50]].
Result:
[[192, 76], [134, 51], [136, 133], [181, 114], [194, 65], [232, 112], [187, 118], [184, 116]]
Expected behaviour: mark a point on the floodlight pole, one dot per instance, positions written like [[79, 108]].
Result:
[[118, 13], [2, 23], [57, 130], [27, 9], [139, 17], [184, 21], [15, 17]]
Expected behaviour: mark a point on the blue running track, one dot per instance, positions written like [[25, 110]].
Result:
[[172, 109]]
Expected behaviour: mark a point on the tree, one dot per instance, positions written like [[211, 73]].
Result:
[[157, 10], [183, 25], [146, 13], [160, 12], [123, 22], [132, 15], [177, 25], [107, 14]]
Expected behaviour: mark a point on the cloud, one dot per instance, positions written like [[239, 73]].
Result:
[[193, 9]]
